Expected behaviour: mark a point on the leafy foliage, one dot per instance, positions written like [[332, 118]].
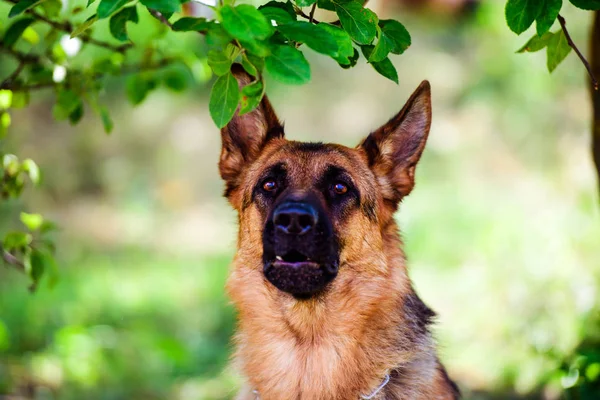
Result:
[[44, 37]]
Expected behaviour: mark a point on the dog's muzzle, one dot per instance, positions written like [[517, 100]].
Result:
[[300, 256]]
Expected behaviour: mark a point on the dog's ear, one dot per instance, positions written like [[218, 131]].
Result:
[[244, 137], [394, 149]]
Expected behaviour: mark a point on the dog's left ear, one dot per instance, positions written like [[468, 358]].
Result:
[[394, 149], [244, 137]]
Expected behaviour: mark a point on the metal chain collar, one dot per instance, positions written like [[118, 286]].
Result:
[[374, 393]]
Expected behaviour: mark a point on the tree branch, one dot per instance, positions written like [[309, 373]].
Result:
[[157, 14], [563, 24], [595, 94], [68, 28], [125, 70], [12, 260], [312, 13], [304, 15]]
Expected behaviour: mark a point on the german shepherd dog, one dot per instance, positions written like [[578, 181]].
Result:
[[325, 306]]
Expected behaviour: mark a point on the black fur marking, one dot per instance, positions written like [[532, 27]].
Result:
[[311, 147], [450, 382], [418, 315], [278, 173], [372, 149], [276, 132]]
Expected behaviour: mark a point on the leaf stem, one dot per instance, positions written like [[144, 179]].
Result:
[[563, 25]]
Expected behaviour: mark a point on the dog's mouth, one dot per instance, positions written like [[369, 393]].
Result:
[[293, 257], [296, 273]]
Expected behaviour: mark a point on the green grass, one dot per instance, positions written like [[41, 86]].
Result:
[[128, 325]]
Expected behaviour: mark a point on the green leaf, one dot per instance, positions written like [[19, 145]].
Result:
[[84, 26], [326, 5], [11, 165], [216, 35], [245, 22], [252, 94], [557, 49], [23, 6], [118, 22], [89, 3], [20, 99], [14, 32], [16, 241], [6, 97], [164, 6], [33, 222], [287, 7], [256, 47], [353, 60], [30, 168], [76, 114], [48, 226], [314, 36], [38, 265], [384, 67], [219, 62], [586, 4], [248, 66], [396, 35], [536, 43], [5, 122], [305, 3], [279, 15], [345, 50], [186, 24], [176, 78], [359, 22], [520, 14], [288, 65], [67, 102], [381, 49], [107, 122], [108, 7], [547, 16], [138, 88], [52, 8], [224, 98]]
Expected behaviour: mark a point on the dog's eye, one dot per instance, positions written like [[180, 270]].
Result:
[[269, 186], [340, 188]]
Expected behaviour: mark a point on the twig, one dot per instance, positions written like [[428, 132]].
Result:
[[312, 13], [22, 57], [125, 70], [14, 75], [304, 15], [12, 260], [67, 28], [157, 14], [563, 24]]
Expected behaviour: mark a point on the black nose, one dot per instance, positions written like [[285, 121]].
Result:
[[295, 218]]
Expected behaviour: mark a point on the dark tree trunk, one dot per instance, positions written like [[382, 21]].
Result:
[[595, 63]]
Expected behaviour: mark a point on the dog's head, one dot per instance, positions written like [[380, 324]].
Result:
[[309, 210]]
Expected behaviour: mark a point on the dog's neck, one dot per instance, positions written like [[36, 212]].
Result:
[[336, 346]]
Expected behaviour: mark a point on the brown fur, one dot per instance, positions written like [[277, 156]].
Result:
[[369, 321]]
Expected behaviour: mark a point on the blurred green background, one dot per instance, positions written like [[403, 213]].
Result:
[[502, 231]]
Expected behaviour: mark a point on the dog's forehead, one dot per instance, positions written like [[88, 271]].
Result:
[[306, 161]]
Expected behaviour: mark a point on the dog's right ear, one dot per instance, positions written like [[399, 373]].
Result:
[[245, 136]]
